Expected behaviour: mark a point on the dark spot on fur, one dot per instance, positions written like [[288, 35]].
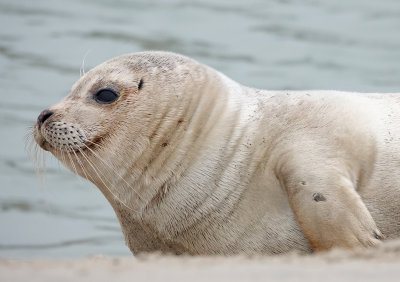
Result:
[[303, 183], [140, 85], [164, 144], [377, 236], [318, 197]]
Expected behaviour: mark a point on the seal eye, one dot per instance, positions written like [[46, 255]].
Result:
[[106, 96]]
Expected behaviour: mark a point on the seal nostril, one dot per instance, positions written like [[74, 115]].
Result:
[[44, 116]]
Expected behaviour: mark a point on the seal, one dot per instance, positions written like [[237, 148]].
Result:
[[195, 163]]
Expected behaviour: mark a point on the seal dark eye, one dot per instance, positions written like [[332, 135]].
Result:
[[106, 96]]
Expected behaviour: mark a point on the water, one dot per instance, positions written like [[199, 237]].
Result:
[[292, 44]]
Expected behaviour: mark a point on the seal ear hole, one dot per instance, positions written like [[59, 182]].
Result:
[[140, 85]]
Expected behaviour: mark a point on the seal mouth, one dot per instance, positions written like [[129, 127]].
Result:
[[84, 145], [40, 140], [60, 137], [45, 145]]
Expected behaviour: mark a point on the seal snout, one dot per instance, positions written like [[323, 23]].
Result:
[[58, 134], [44, 116], [64, 136]]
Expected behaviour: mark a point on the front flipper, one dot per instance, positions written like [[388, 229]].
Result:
[[326, 204]]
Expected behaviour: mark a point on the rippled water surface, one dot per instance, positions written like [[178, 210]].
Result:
[[291, 44]]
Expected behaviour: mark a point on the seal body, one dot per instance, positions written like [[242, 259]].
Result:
[[193, 162]]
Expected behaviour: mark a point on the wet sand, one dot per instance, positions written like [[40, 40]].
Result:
[[375, 264]]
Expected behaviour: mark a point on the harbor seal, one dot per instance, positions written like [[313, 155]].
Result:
[[195, 163]]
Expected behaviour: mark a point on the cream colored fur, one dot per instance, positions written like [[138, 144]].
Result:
[[196, 163]]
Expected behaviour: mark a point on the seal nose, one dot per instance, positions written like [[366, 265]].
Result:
[[44, 116]]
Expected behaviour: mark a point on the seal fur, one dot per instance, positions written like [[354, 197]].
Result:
[[193, 162]]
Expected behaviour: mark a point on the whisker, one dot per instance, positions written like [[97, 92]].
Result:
[[64, 160], [36, 161], [80, 164], [82, 69], [42, 162], [62, 154], [101, 179], [32, 148], [29, 139], [73, 165], [113, 170]]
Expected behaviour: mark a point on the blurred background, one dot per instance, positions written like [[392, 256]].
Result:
[[278, 44]]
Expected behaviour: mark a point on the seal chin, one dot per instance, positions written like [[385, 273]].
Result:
[[45, 146], [40, 140]]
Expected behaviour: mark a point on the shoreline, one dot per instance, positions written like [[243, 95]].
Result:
[[381, 263]]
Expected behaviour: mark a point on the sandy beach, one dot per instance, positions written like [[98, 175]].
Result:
[[378, 264]]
